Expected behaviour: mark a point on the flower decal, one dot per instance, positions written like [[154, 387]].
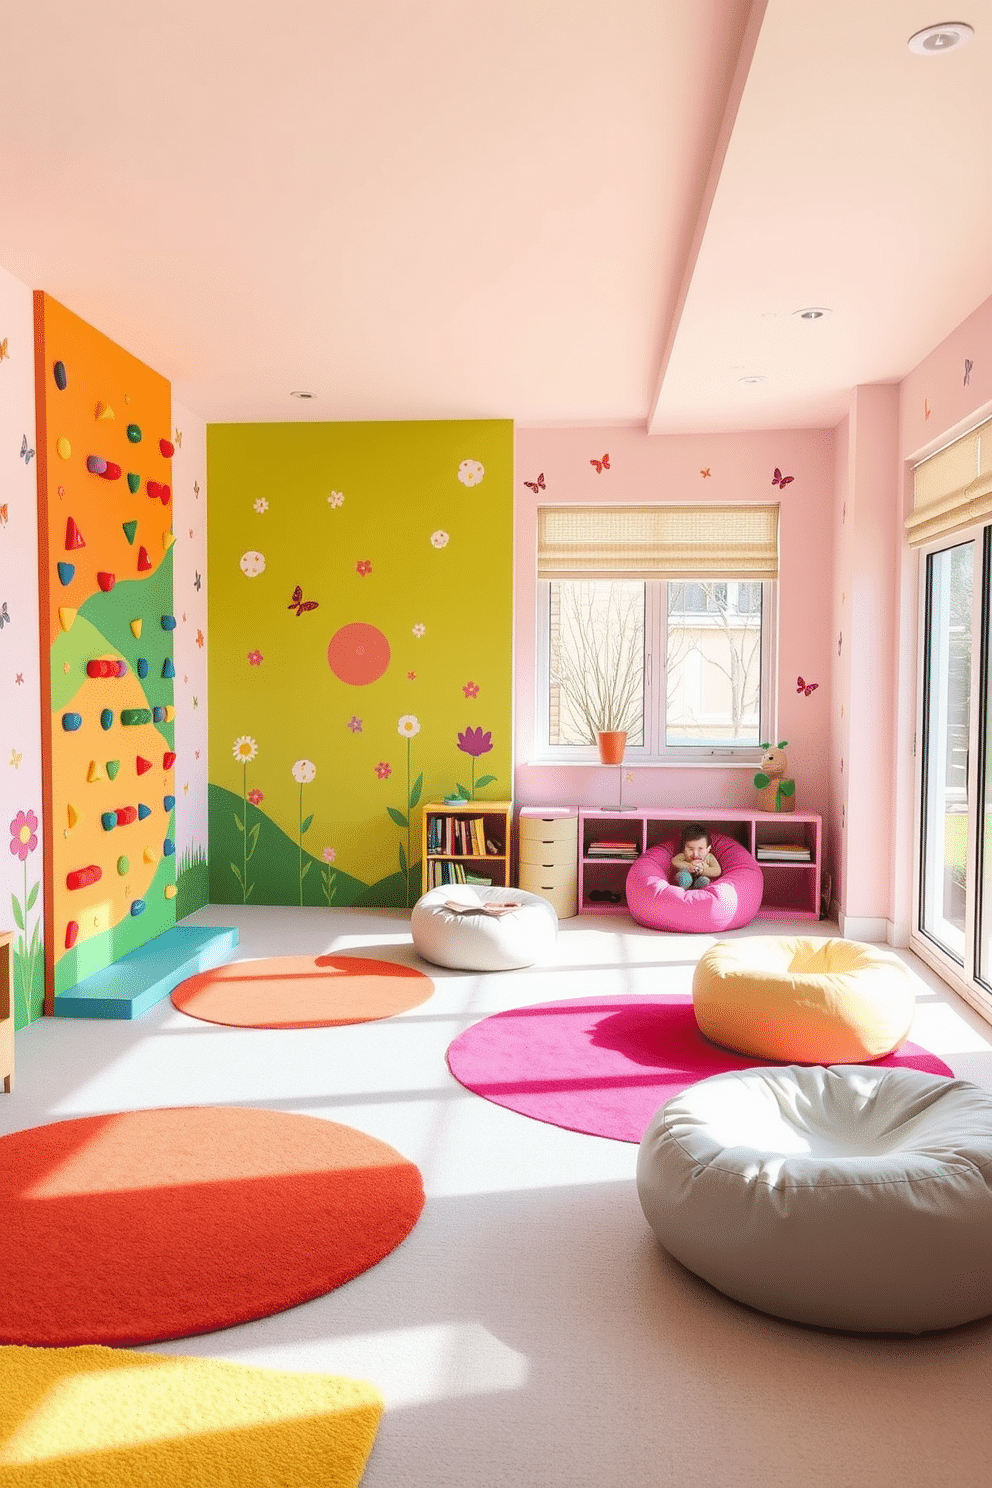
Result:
[[355, 724], [408, 726], [470, 472], [252, 563], [471, 689], [255, 658], [261, 505], [411, 676], [419, 630], [245, 749], [23, 834], [335, 499], [304, 771], [439, 539], [256, 797], [328, 855], [363, 567], [383, 770], [474, 742]]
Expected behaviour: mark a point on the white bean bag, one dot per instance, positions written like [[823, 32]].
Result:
[[471, 940], [853, 1197]]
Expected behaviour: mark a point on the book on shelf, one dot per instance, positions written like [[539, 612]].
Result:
[[783, 852], [477, 878], [604, 848]]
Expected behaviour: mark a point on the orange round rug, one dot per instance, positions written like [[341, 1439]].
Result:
[[147, 1225], [302, 992]]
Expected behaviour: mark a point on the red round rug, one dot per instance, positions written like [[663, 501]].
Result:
[[146, 1225], [604, 1065], [302, 992]]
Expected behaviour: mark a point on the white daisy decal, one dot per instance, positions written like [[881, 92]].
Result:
[[261, 505], [419, 630], [304, 771], [439, 539], [252, 564], [245, 749], [470, 472], [408, 726], [335, 499]]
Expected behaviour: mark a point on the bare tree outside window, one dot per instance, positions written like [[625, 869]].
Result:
[[713, 672], [597, 660]]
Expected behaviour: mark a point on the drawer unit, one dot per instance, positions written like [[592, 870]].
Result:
[[548, 856]]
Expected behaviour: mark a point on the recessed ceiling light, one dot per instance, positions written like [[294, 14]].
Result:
[[752, 379], [302, 395], [812, 312], [941, 38]]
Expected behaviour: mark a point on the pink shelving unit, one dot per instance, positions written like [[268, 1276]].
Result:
[[792, 890]]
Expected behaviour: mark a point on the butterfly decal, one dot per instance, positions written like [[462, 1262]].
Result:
[[3, 514], [15, 759], [196, 488], [778, 479], [705, 473], [196, 583], [968, 364], [927, 410], [601, 465], [4, 617], [299, 604], [178, 441], [3, 350], [806, 687], [27, 455], [537, 485]]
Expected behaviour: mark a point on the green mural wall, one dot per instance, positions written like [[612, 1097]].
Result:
[[360, 616]]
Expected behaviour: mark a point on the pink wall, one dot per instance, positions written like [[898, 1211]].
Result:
[[840, 666], [649, 469]]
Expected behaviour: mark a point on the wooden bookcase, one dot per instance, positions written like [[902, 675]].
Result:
[[7, 1010], [496, 817], [792, 889]]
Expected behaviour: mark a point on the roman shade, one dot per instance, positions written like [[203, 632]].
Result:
[[657, 542], [952, 489]]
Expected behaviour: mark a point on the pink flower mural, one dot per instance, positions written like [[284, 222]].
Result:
[[471, 689], [383, 770], [475, 742], [363, 567]]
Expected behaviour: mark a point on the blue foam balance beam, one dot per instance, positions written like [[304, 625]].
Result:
[[146, 975]]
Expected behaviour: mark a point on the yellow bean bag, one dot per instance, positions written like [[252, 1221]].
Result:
[[799, 1001]]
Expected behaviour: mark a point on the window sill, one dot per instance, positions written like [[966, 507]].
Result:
[[550, 763]]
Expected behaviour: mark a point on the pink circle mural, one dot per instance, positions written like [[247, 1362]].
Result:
[[358, 654]]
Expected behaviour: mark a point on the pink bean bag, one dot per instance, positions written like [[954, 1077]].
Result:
[[731, 900]]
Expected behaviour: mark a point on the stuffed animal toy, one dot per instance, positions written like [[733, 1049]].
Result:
[[775, 792]]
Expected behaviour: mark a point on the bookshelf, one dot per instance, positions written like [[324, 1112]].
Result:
[[7, 1010], [450, 845], [792, 881]]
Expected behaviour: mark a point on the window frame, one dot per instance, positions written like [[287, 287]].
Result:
[[654, 750]]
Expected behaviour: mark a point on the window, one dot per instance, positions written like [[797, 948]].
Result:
[[660, 621]]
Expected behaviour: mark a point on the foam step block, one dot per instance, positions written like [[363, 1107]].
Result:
[[67, 572], [71, 722], [168, 670], [147, 974], [73, 537], [126, 815], [143, 811], [141, 765], [95, 464], [71, 934], [130, 528], [81, 878], [131, 717]]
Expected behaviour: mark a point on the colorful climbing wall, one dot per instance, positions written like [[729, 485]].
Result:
[[105, 564]]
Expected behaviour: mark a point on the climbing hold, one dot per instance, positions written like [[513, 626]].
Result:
[[95, 464], [66, 618], [132, 716], [104, 411], [168, 847], [143, 811], [158, 714], [113, 766], [130, 528], [141, 765], [168, 670], [138, 907], [133, 482], [170, 712], [133, 432], [168, 802], [168, 759], [111, 471], [126, 815], [95, 772], [165, 495], [142, 667], [168, 622], [150, 855], [105, 666], [144, 562], [108, 820], [71, 722], [62, 447], [67, 572], [168, 538], [154, 490], [73, 537], [136, 628], [107, 718], [81, 878], [167, 447], [73, 815], [72, 929], [170, 891], [61, 382], [122, 865], [106, 581]]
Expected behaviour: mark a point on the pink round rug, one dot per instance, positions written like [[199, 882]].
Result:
[[604, 1065]]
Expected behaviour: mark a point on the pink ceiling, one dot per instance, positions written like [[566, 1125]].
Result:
[[555, 212]]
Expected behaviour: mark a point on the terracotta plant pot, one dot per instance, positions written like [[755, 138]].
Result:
[[612, 743]]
